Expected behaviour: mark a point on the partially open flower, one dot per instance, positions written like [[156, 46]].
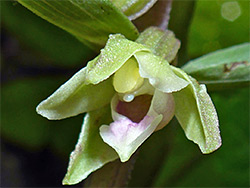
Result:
[[144, 93], [141, 105]]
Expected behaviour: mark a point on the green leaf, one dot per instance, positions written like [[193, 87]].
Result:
[[162, 42], [42, 37], [197, 115], [159, 73], [89, 21], [134, 8], [91, 153], [116, 52], [223, 67], [75, 97]]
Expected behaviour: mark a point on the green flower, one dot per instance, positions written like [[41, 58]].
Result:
[[144, 93]]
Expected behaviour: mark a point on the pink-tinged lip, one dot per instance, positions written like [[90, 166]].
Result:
[[121, 128], [126, 136], [133, 124]]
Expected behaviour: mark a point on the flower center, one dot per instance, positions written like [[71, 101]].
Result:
[[135, 110], [127, 79]]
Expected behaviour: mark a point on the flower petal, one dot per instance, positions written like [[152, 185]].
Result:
[[196, 113], [126, 136], [75, 97], [161, 42], [116, 52], [91, 153], [162, 103], [159, 73]]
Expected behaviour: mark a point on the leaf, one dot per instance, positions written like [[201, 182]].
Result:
[[223, 68], [42, 37], [162, 42], [75, 97], [134, 8], [91, 153], [89, 21], [197, 115]]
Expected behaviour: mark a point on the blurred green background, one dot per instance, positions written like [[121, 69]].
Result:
[[37, 57]]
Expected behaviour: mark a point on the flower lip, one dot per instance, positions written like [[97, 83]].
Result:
[[135, 110], [125, 135]]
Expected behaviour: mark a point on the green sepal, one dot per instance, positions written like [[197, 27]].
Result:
[[162, 43], [75, 97], [159, 73], [196, 114], [228, 67], [116, 52], [90, 153], [134, 8]]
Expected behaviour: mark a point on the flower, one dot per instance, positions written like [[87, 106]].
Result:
[[144, 92]]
